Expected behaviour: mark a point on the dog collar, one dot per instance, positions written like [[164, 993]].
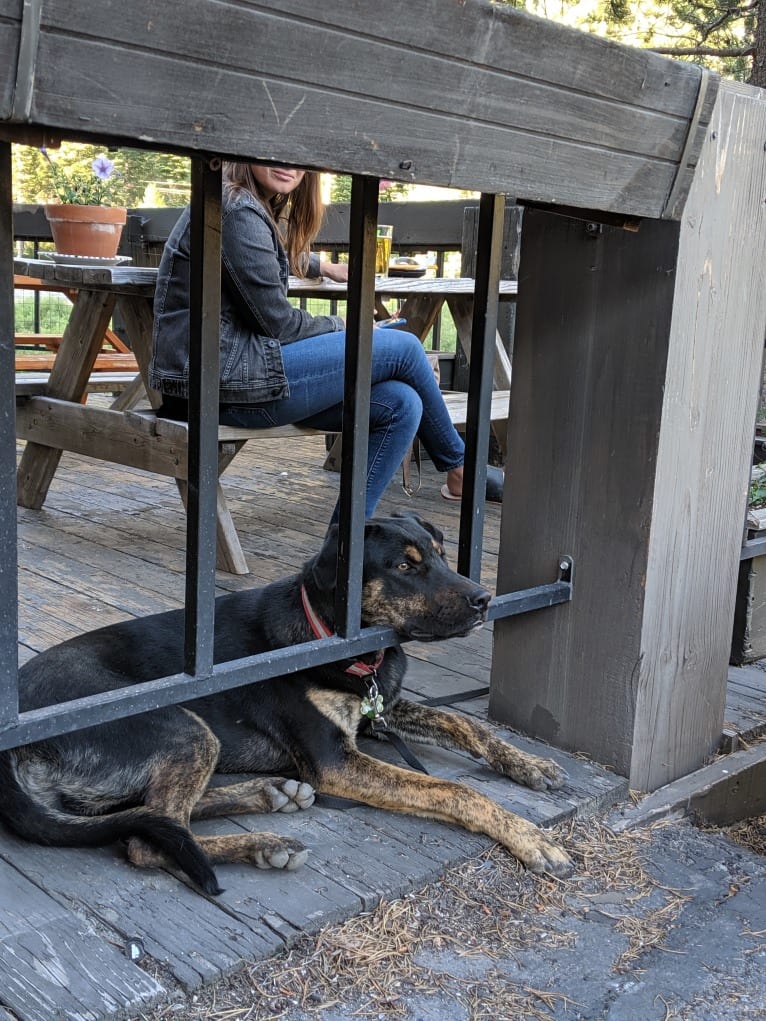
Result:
[[320, 630], [372, 704]]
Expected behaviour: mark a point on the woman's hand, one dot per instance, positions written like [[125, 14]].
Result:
[[337, 271]]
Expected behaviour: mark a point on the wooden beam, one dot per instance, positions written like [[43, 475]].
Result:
[[484, 96], [636, 371]]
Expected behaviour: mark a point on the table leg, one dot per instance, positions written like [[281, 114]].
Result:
[[138, 317], [421, 311], [461, 309], [80, 344]]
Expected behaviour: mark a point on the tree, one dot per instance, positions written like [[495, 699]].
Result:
[[726, 35], [142, 178]]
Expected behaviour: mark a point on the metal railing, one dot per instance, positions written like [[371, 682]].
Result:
[[201, 676]]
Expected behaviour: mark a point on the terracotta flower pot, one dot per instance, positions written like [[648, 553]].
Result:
[[92, 231]]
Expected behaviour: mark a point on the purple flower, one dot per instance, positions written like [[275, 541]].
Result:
[[103, 168]]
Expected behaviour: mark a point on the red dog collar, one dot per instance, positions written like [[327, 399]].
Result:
[[320, 630]]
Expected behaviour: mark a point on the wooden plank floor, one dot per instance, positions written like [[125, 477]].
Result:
[[107, 545]]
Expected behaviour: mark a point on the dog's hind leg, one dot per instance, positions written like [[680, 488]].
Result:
[[452, 730], [264, 850], [177, 782], [178, 785], [385, 786], [262, 794]]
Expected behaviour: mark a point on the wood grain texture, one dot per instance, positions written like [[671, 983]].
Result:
[[606, 130], [631, 440], [705, 449], [52, 964]]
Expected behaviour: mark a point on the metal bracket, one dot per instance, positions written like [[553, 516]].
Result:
[[510, 604], [566, 568]]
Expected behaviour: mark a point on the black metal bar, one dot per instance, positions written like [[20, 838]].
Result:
[[203, 414], [356, 403], [9, 632], [513, 603], [139, 698], [436, 332], [483, 331], [65, 717]]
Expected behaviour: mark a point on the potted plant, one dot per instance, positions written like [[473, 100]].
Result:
[[82, 222]]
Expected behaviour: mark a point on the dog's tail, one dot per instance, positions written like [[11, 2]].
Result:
[[46, 824]]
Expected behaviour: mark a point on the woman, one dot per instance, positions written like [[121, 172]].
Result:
[[280, 364]]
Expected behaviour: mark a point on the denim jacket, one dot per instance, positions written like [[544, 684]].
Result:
[[256, 317]]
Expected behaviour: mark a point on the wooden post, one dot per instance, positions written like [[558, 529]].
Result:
[[636, 377]]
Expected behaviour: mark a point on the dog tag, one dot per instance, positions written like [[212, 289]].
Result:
[[372, 706]]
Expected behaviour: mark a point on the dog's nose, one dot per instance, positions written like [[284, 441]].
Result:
[[479, 600]]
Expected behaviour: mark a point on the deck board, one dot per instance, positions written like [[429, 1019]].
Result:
[[109, 544]]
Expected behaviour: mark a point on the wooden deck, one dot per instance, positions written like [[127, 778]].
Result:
[[69, 918]]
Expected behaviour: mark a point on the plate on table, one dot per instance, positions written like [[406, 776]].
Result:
[[84, 260], [405, 267]]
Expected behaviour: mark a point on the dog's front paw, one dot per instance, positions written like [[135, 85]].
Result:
[[535, 850], [546, 856], [530, 770]]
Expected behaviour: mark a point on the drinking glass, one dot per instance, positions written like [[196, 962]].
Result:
[[383, 248]]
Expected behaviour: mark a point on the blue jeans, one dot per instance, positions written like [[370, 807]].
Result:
[[405, 401]]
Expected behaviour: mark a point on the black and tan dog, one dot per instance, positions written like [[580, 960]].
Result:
[[143, 778]]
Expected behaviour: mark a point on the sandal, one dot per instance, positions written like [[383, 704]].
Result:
[[494, 492]]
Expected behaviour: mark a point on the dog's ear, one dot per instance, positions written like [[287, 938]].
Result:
[[323, 567], [431, 529]]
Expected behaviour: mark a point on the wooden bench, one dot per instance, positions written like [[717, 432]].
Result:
[[36, 352], [35, 384]]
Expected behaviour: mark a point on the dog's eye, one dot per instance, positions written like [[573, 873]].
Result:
[[404, 566]]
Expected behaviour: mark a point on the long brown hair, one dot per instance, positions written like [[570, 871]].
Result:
[[297, 216]]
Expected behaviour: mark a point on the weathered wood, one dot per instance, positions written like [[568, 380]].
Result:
[[619, 417], [30, 384], [194, 938], [726, 791], [52, 964], [68, 380], [749, 632], [471, 79], [461, 310]]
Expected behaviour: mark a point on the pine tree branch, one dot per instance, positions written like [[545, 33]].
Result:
[[702, 51]]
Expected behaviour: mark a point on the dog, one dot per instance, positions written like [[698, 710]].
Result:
[[146, 777]]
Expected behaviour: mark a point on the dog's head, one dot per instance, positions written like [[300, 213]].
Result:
[[407, 584]]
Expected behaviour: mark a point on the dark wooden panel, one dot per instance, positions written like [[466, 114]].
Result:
[[464, 95], [416, 224], [500, 39], [9, 47], [590, 350], [341, 131], [273, 46]]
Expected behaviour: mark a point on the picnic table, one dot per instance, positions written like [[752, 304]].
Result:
[[53, 416]]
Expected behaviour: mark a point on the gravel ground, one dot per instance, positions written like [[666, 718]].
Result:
[[667, 922]]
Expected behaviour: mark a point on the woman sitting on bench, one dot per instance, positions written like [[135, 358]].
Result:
[[281, 365]]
